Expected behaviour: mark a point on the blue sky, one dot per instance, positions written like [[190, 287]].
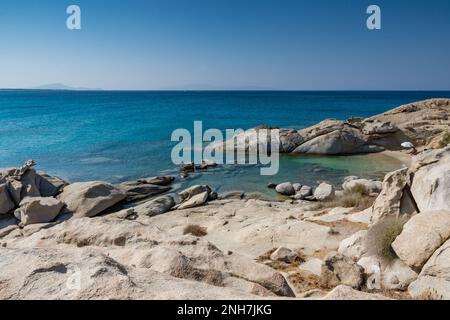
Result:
[[183, 44]]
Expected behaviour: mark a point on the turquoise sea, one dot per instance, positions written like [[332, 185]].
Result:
[[123, 135]]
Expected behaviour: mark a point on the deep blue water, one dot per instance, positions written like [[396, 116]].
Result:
[[116, 136]]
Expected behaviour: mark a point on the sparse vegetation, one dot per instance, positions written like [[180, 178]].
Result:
[[381, 236], [358, 197], [445, 140], [430, 294], [195, 230]]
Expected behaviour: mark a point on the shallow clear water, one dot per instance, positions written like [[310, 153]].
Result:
[[117, 136]]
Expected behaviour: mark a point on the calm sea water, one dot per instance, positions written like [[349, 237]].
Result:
[[118, 136]]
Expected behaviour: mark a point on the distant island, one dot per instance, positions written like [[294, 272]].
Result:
[[60, 86]]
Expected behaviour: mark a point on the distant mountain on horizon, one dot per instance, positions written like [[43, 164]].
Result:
[[60, 86]]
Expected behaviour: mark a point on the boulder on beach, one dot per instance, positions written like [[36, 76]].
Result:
[[368, 186], [155, 207], [433, 282], [194, 201], [194, 190], [431, 184], [324, 192], [141, 190], [422, 235], [348, 141], [88, 199], [38, 210], [395, 198]]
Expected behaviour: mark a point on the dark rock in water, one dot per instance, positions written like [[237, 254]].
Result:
[[206, 164], [285, 188], [232, 195], [213, 196], [272, 185], [184, 175], [188, 167], [194, 190], [136, 190], [158, 181]]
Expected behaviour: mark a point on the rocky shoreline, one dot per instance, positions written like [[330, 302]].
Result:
[[138, 240]]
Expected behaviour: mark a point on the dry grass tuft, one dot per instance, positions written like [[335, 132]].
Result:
[[430, 294], [195, 230], [381, 236], [358, 198]]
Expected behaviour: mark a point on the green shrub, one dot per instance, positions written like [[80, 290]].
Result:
[[381, 236], [445, 141]]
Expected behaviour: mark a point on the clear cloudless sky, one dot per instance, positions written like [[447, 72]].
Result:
[[182, 44]]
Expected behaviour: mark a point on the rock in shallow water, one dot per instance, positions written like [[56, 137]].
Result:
[[285, 188]]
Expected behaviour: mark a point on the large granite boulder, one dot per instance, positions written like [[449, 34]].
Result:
[[285, 188], [194, 201], [422, 235], [431, 184], [347, 293], [347, 141], [434, 279], [324, 192], [38, 210], [397, 276], [395, 198], [6, 203], [369, 186], [155, 207], [141, 190], [88, 199], [194, 190], [354, 246], [339, 269]]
